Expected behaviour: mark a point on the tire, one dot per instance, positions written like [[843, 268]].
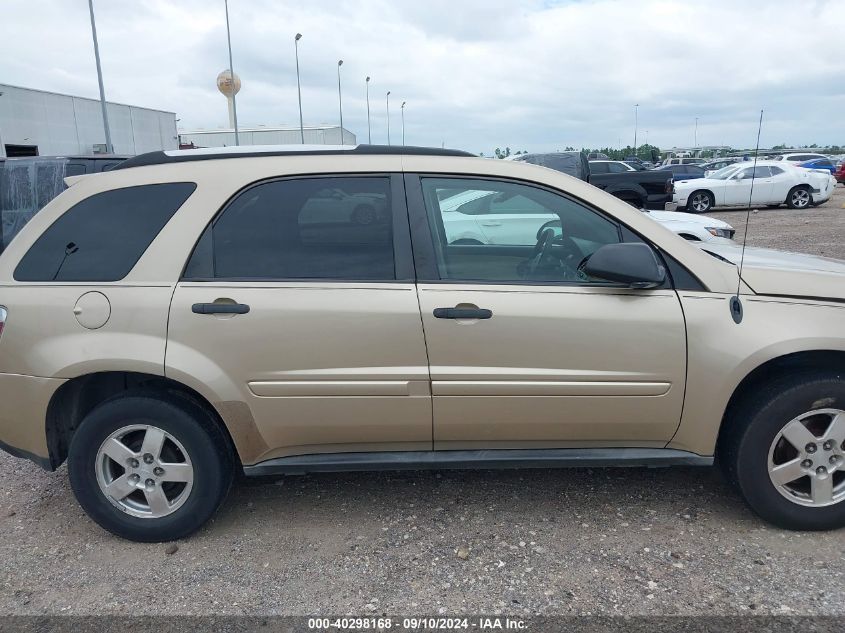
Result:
[[754, 441], [700, 201], [799, 198], [364, 214], [193, 437], [634, 200]]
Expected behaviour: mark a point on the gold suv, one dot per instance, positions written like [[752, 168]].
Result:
[[195, 313]]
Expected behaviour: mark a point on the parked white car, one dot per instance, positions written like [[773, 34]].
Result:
[[478, 217], [775, 183], [799, 157]]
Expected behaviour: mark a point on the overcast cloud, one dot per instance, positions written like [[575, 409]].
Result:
[[475, 74]]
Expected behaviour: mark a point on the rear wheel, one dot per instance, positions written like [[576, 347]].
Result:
[[784, 449], [150, 467], [700, 202], [799, 198]]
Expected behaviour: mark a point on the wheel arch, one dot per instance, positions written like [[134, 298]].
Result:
[[773, 369], [78, 396]]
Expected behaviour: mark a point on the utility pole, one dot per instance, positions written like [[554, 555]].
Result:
[[109, 146]]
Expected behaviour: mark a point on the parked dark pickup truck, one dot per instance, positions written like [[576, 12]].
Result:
[[643, 189]]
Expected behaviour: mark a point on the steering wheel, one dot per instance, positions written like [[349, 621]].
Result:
[[541, 250]]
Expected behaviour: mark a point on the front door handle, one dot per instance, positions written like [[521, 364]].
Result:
[[491, 223], [462, 313], [220, 308]]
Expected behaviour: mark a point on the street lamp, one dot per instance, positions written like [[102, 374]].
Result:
[[636, 113], [387, 97], [232, 76], [340, 99], [369, 130], [696, 133], [402, 108], [298, 86], [109, 146]]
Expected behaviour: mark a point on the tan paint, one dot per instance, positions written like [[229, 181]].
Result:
[[336, 367]]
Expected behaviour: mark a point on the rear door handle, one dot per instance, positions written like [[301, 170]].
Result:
[[491, 223], [220, 308], [462, 313]]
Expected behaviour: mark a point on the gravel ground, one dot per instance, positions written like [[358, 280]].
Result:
[[580, 541]]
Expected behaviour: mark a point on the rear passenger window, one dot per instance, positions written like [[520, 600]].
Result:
[[308, 228], [102, 237]]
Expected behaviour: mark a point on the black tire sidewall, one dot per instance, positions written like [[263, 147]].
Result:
[[190, 426], [752, 454], [789, 198], [695, 193]]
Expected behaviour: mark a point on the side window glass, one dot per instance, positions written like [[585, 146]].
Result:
[[102, 237], [308, 228], [616, 168], [598, 168], [534, 235]]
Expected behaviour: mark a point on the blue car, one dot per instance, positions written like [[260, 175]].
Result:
[[684, 172], [819, 163]]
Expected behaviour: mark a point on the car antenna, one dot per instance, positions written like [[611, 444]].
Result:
[[735, 303], [70, 249]]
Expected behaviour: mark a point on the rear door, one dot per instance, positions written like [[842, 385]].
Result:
[[525, 351], [307, 316]]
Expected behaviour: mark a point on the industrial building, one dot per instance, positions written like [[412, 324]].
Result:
[[41, 123], [266, 135]]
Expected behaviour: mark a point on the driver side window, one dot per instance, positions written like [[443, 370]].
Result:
[[490, 230]]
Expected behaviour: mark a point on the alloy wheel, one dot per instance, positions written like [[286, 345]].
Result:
[[800, 198], [700, 202], [807, 458], [144, 471]]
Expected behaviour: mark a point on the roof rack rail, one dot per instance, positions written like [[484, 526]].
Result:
[[255, 151]]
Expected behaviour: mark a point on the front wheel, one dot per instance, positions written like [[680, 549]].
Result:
[[799, 198], [150, 467], [700, 202], [784, 448]]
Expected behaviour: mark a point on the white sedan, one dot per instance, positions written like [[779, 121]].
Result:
[[478, 217], [774, 183]]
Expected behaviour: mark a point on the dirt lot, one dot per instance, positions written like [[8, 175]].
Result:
[[626, 541]]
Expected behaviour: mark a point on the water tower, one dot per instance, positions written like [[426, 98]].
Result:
[[229, 86]]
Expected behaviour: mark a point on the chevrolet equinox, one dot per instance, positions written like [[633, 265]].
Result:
[[193, 314]]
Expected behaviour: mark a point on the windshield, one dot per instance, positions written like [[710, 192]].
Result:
[[724, 173]]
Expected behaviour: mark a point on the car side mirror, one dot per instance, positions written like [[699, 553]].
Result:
[[634, 263]]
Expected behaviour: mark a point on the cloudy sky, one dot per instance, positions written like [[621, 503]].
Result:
[[476, 74]]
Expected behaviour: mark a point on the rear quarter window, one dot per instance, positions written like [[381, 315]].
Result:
[[102, 237]]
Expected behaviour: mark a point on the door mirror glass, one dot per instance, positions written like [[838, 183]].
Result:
[[635, 264]]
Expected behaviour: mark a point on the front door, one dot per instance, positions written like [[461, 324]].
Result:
[[740, 189], [298, 310], [525, 350]]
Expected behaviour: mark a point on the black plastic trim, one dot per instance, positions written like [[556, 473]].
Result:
[[462, 313], [162, 158], [220, 308], [474, 459], [44, 462]]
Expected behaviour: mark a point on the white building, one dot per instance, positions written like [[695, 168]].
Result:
[[36, 122], [266, 135]]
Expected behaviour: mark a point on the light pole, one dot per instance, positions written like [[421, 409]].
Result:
[[298, 86], [232, 76], [402, 108], [109, 146], [636, 113], [387, 97], [340, 99], [696, 133], [369, 130]]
